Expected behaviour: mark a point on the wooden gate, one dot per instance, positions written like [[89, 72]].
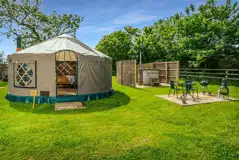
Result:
[[126, 72]]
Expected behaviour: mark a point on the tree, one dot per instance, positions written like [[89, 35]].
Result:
[[116, 45], [205, 37], [198, 39], [2, 59], [24, 18], [132, 32], [209, 35]]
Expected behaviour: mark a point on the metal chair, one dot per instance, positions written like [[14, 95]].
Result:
[[174, 88], [204, 84]]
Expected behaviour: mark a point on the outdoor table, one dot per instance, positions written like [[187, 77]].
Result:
[[184, 84], [188, 88]]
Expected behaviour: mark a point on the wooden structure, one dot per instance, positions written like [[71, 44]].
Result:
[[126, 72], [214, 74], [166, 71], [3, 72]]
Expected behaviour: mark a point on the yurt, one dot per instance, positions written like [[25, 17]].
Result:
[[60, 69]]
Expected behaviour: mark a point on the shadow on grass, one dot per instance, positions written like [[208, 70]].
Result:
[[116, 100], [3, 84]]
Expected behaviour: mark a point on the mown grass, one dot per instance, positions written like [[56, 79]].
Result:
[[3, 84], [132, 124]]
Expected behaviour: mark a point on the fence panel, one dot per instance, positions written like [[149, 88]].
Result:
[[3, 72], [126, 72], [213, 75], [118, 71]]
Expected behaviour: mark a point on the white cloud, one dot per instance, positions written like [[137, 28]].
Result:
[[133, 18], [94, 29]]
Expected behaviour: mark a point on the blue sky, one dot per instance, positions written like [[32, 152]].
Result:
[[102, 17]]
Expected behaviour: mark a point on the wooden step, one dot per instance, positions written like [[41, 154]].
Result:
[[69, 105]]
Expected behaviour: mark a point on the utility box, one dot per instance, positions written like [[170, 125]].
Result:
[[148, 75]]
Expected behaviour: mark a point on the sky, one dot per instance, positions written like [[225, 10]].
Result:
[[103, 17]]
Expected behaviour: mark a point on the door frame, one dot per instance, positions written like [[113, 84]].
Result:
[[77, 75]]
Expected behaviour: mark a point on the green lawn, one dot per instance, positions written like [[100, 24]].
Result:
[[2, 84], [132, 124]]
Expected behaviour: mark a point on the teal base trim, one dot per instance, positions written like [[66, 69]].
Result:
[[68, 98]]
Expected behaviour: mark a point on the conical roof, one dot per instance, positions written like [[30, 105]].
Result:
[[60, 43]]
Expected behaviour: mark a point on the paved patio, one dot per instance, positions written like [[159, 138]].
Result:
[[203, 99]]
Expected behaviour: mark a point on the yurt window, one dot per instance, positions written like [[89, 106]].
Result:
[[24, 74]]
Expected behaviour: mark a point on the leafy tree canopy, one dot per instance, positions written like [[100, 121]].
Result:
[[116, 45], [2, 59], [25, 18], [207, 36]]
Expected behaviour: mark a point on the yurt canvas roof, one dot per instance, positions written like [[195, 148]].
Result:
[[61, 43]]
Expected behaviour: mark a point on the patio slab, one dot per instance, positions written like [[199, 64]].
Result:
[[203, 99]]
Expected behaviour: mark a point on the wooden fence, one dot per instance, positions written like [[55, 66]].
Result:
[[166, 70], [216, 74], [3, 72], [126, 72]]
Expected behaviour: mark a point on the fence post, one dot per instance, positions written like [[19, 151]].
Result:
[[166, 72], [122, 76], [226, 76], [178, 74]]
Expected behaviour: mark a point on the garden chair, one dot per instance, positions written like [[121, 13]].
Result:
[[174, 88]]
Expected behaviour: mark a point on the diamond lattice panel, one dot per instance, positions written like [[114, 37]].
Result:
[[24, 74], [66, 68]]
